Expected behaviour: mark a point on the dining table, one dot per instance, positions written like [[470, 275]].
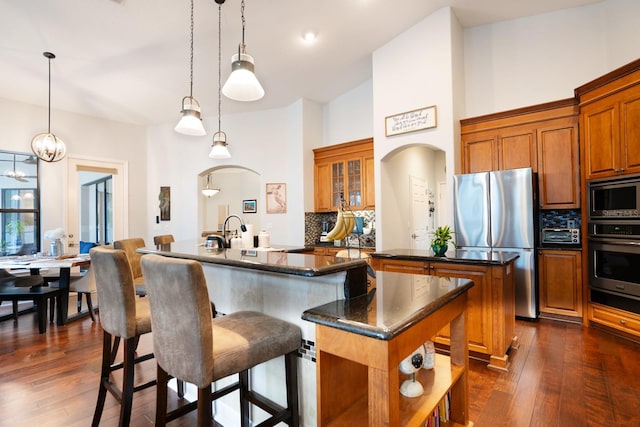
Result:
[[39, 263]]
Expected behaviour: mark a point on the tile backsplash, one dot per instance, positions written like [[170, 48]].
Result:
[[558, 218], [313, 227]]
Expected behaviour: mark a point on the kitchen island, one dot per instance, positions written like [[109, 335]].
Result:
[[491, 314], [281, 283], [362, 341]]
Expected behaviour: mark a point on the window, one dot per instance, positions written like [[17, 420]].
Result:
[[20, 204], [96, 207]]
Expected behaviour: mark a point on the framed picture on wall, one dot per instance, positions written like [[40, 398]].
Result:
[[276, 198], [249, 206], [165, 203]]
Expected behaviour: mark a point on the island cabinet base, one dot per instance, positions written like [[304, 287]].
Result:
[[358, 381], [492, 316]]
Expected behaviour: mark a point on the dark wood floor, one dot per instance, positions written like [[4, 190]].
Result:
[[562, 375]]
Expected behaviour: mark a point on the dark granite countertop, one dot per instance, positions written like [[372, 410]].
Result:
[[279, 259], [457, 256], [399, 299]]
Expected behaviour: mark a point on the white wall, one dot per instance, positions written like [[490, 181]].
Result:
[[83, 136], [350, 116], [429, 48], [544, 58], [268, 142]]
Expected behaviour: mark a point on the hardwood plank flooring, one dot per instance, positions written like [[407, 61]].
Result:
[[562, 375]]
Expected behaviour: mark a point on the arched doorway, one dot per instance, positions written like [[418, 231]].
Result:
[[237, 185]]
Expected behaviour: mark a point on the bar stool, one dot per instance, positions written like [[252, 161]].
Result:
[[193, 347], [123, 316]]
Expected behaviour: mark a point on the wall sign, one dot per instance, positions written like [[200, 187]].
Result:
[[410, 121]]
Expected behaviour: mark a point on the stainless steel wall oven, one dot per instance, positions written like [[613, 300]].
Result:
[[614, 244]]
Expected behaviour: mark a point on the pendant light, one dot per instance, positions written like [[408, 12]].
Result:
[[47, 146], [208, 190], [242, 84], [219, 148], [190, 123]]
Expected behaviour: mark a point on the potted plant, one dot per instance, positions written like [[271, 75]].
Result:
[[441, 238]]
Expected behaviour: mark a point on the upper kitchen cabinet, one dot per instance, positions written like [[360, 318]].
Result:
[[344, 170], [543, 137], [610, 123]]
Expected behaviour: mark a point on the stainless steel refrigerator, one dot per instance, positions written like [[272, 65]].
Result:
[[496, 211]]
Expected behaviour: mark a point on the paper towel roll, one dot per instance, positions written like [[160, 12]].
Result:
[[247, 239]]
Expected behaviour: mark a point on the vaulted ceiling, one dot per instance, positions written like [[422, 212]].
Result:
[[128, 60]]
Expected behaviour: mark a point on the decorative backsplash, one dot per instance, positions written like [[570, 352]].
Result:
[[313, 227], [558, 218]]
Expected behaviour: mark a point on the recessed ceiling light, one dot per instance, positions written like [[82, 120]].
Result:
[[309, 36]]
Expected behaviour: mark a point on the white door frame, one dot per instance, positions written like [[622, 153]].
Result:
[[120, 171]]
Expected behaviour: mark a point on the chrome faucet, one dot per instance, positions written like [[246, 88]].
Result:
[[224, 229]]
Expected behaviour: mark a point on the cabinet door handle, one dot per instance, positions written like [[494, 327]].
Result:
[[623, 322]]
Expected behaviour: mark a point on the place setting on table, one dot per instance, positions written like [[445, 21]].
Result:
[[37, 265]]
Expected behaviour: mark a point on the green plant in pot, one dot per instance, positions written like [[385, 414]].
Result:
[[441, 239]]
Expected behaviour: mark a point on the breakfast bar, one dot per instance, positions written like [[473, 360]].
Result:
[[281, 283]]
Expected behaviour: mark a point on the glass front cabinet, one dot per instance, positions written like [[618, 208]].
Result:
[[344, 171]]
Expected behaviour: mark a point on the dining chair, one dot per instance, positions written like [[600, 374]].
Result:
[[20, 280], [129, 246], [192, 346], [163, 239]]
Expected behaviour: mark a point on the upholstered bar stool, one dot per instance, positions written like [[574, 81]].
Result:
[[129, 246], [123, 317], [192, 346]]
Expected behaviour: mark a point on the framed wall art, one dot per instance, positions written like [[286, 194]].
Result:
[[410, 121], [276, 198], [165, 203], [249, 206]]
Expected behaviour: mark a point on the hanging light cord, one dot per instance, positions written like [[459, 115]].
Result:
[[49, 119], [243, 21], [191, 56], [219, 61]]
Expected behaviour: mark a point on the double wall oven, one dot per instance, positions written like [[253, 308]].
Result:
[[614, 242]]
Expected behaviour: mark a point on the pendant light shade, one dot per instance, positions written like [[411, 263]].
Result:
[[208, 190], [191, 122], [219, 148], [242, 84], [47, 146]]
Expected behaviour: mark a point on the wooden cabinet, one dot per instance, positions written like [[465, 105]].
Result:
[[543, 137], [344, 170], [610, 128], [558, 164], [619, 320], [560, 282], [491, 308], [479, 152], [333, 250]]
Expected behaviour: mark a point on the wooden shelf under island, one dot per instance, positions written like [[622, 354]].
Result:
[[360, 343]]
